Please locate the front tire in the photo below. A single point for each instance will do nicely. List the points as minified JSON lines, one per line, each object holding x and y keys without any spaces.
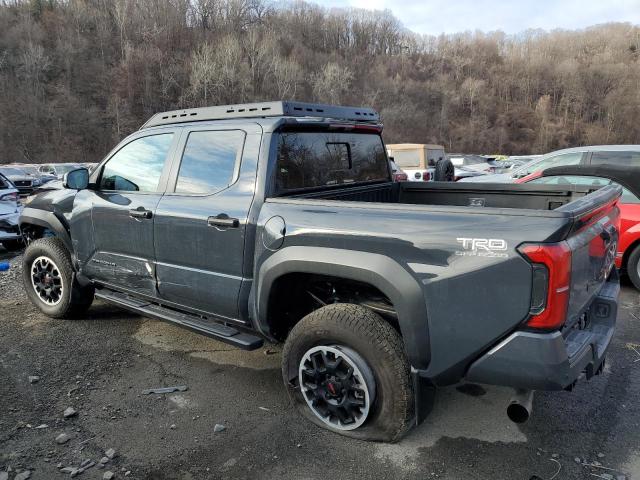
{"x":346,"y":371}
{"x":50,"y":281}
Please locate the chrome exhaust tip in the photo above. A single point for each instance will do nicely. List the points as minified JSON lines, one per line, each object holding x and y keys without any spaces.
{"x":519,"y":409}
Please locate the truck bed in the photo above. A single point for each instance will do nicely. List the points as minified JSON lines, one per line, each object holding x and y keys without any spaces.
{"x":432,"y":230}
{"x":512,"y":196}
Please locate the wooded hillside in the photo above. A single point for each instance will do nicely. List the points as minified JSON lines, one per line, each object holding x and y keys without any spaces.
{"x":78,"y":75}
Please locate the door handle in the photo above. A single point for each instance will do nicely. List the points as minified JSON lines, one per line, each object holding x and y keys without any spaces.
{"x":141,"y":212}
{"x":223,"y":221}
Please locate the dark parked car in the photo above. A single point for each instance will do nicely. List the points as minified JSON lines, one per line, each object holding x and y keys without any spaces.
{"x":281,"y":221}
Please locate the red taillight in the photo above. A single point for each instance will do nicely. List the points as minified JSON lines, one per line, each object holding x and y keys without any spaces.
{"x":426,"y":176}
{"x":551,"y":283}
{"x":9,"y":197}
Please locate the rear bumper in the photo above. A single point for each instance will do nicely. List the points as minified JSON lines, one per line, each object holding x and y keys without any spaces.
{"x":555,"y":360}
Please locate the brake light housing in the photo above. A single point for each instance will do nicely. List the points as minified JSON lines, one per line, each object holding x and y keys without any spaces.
{"x":551,"y":283}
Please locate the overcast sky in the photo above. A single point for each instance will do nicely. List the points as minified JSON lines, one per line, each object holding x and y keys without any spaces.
{"x":449,"y":16}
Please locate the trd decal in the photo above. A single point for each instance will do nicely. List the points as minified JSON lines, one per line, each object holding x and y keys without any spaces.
{"x":482,"y":247}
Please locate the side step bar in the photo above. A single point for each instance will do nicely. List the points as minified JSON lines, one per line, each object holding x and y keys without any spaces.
{"x":211,"y":328}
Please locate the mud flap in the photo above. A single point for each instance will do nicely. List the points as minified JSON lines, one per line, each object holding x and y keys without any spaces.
{"x":424,"y":393}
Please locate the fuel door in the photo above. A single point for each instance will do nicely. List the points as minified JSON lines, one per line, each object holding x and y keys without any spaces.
{"x":273,"y":233}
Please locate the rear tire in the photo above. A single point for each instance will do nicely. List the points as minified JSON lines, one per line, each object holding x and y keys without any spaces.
{"x":445,"y":171}
{"x":50,"y":281}
{"x":632,"y":266}
{"x":380,"y":373}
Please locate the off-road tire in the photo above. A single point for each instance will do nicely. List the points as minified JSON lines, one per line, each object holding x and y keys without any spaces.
{"x":632,"y":265}
{"x":445,"y":171}
{"x":12,"y":245}
{"x":76,"y":299}
{"x":392,"y":410}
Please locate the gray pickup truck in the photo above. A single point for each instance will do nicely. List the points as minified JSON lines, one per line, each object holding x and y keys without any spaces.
{"x":280,"y":221}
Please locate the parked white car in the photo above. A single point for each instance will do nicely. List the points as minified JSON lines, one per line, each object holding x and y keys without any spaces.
{"x":10,"y":237}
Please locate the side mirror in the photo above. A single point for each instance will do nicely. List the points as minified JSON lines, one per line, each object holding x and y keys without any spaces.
{"x":76,"y":179}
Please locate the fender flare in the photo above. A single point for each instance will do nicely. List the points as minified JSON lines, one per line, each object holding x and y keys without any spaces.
{"x":42,"y":218}
{"x":382,"y":272}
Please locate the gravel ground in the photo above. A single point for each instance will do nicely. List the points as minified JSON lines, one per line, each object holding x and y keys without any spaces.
{"x":100,"y":365}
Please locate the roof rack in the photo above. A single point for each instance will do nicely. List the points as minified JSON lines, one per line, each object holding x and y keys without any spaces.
{"x":264,"y":109}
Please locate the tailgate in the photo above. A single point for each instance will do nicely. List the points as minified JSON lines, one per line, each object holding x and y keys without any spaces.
{"x":593,"y":241}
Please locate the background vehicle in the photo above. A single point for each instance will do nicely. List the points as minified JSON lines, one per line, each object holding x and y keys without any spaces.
{"x":510,"y":163}
{"x":33,"y":171}
{"x":10,"y":237}
{"x":397,"y":173}
{"x":58,"y":169}
{"x":422,"y":162}
{"x":24,"y":182}
{"x":469,"y":165}
{"x":628,"y":254}
{"x":90,"y":166}
{"x":516,"y":161}
{"x":628,"y":155}
{"x":259,"y":220}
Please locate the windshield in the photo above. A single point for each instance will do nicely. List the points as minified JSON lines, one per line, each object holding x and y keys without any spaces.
{"x":30,"y":170}
{"x":550,"y":160}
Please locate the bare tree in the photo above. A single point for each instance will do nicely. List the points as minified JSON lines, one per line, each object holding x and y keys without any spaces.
{"x":76,"y":75}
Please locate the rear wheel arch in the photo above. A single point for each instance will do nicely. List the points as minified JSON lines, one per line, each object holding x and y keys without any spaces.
{"x":627,"y":253}
{"x":296,"y":294}
{"x":632,"y":256}
{"x":377,"y":272}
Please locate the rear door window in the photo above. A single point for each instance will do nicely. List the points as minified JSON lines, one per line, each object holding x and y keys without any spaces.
{"x":209,"y":161}
{"x":629,"y":159}
{"x":318,"y":159}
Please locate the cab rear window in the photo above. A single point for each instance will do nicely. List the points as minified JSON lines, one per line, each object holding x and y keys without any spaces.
{"x":318,"y":159}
